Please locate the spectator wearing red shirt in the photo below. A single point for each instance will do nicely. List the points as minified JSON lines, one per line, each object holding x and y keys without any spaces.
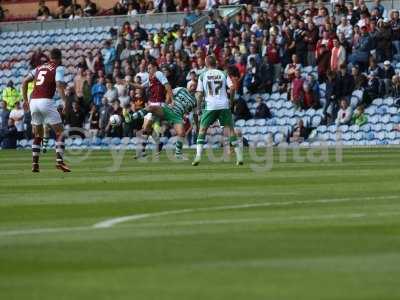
{"x":311,"y":39}
{"x":272,"y":53}
{"x":297,"y":93}
{"x":309,"y":99}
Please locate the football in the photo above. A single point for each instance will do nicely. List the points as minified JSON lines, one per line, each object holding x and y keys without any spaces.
{"x":115,"y":120}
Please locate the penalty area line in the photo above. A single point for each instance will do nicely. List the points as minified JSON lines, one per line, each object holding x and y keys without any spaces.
{"x":114,"y":221}
{"x":109,"y":223}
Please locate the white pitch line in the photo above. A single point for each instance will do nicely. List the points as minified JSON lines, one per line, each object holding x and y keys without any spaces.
{"x":111,"y":222}
{"x":114,"y":221}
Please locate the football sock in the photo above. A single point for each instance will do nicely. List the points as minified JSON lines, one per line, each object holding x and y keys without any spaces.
{"x":236,"y":145}
{"x":199,"y":144}
{"x":37,"y":141}
{"x":45,"y":142}
{"x":60,"y":147}
{"x":178,"y":146}
{"x":144,"y":142}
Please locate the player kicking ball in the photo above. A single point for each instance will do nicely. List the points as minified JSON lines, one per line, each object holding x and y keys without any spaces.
{"x":173,"y":112}
{"x":48,"y":78}
{"x":212,"y":86}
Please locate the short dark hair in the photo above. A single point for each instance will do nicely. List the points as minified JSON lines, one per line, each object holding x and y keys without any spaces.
{"x":56,"y":54}
{"x":211,"y":61}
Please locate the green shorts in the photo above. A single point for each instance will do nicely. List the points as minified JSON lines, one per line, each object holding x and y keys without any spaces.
{"x":224,"y":116}
{"x":170,"y":116}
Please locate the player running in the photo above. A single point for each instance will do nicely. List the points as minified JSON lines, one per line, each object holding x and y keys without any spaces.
{"x":160,"y":91}
{"x":182,"y":103}
{"x":212,"y":86}
{"x":48,"y":78}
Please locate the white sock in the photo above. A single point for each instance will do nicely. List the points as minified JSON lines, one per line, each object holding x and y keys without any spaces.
{"x":199,"y":150}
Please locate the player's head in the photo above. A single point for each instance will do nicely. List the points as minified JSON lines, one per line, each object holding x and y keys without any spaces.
{"x":211,"y":62}
{"x":55,"y":55}
{"x":152,"y":67}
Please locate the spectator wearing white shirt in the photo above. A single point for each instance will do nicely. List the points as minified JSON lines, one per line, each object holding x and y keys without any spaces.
{"x":143,"y":74}
{"x":345,"y":113}
{"x":17,"y":114}
{"x":192,"y":83}
{"x":345,"y":28}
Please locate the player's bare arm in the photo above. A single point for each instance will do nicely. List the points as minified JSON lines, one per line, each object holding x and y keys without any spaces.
{"x":25,"y":83}
{"x":168,"y":96}
{"x":199,"y":98}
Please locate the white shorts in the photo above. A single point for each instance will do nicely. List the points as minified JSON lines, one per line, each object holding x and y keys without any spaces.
{"x":44,"y":111}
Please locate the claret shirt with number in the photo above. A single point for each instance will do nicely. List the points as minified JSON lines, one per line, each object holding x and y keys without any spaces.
{"x":45,"y":77}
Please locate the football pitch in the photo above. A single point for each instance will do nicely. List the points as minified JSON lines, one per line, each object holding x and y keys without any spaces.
{"x":167,"y":230}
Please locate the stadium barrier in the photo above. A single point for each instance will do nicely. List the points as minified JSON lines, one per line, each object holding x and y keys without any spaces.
{"x":114,"y":21}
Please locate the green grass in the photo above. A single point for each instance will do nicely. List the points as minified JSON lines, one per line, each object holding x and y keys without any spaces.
{"x":328,"y":230}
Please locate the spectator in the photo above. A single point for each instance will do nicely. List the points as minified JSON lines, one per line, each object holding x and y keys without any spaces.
{"x":387,"y":75}
{"x":94,"y":118}
{"x":10,"y":95}
{"x":297,"y":94}
{"x":371,"y":91}
{"x":4,"y":115}
{"x":192,"y":83}
{"x":311,"y":40}
{"x":345,"y":83}
{"x":98,"y":91}
{"x":241,"y":110}
{"x":338,"y":56}
{"x":299,"y":133}
{"x":323,"y":55}
{"x":104,"y":116}
{"x":43,"y":11}
{"x":331,"y":94}
{"x":2,"y":17}
{"x":139,"y":30}
{"x":395,"y":24}
{"x":359,"y":79}
{"x":309,"y":99}
{"x":273,"y":58}
{"x":79,"y":82}
{"x":132,"y":11}
{"x":119,"y":9}
{"x":359,"y":118}
{"x":262,"y":110}
{"x":345,"y":28}
{"x":396,"y":88}
{"x":210,"y":25}
{"x":90,"y":62}
{"x":75,"y":119}
{"x":384,"y":41}
{"x":10,"y":136}
{"x":266,"y":77}
{"x":89,"y":8}
{"x":291,"y":68}
{"x":252,"y":79}
{"x":17,"y":115}
{"x":109,"y":55}
{"x":111,"y":93}
{"x":345,"y":113}
{"x":362,"y":48}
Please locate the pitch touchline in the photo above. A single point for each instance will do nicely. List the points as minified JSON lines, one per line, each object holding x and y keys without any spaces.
{"x":114,"y":221}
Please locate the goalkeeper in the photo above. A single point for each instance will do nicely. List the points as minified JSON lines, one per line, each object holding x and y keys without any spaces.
{"x":182,"y":102}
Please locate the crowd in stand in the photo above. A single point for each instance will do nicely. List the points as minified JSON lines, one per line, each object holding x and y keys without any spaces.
{"x":263,"y":49}
{"x":70,"y":9}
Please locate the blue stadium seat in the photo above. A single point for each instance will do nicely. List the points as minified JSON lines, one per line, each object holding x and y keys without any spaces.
{"x":240,"y":123}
